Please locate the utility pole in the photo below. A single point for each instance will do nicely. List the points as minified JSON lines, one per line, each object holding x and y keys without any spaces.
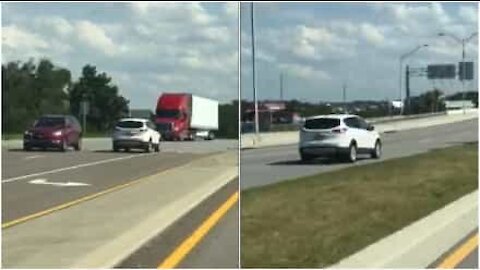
{"x":281,"y":86}
{"x":253,"y":75}
{"x":402,"y":58}
{"x":407,"y":91}
{"x":345,"y":97}
{"x":463,"y":76}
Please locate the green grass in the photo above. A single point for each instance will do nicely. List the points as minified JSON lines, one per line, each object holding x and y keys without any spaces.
{"x":316,"y":221}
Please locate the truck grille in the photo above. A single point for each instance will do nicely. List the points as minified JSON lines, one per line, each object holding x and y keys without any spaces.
{"x":164,"y":127}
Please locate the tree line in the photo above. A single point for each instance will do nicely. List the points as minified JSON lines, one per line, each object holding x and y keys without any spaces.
{"x":31,"y":89}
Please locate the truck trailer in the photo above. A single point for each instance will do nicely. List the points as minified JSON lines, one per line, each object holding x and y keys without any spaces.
{"x":182,"y":116}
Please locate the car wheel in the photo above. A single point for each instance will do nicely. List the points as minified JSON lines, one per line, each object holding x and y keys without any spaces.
{"x":306,"y":157}
{"x":26,"y":148}
{"x":377,"y":150}
{"x":156,"y":147}
{"x":148,"y":147}
{"x":127,"y":149}
{"x":78,"y":145}
{"x":115,"y":148}
{"x":352,"y":153}
{"x":64,"y":146}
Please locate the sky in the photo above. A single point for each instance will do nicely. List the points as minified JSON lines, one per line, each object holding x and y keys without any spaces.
{"x":147,"y":48}
{"x":319,"y":47}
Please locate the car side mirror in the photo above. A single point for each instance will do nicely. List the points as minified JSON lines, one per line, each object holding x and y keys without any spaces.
{"x":370,"y":128}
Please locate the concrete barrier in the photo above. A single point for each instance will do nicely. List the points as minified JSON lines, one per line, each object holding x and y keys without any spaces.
{"x":381,"y":124}
{"x":421,"y":243}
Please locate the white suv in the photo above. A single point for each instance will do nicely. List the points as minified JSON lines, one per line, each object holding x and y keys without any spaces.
{"x":135,"y":133}
{"x":338,"y":135}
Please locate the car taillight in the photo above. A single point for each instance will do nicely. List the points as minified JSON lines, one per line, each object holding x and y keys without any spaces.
{"x":339,"y":130}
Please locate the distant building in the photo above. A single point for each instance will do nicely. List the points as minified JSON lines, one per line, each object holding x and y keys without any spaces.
{"x":458,"y":104}
{"x":397,"y":104}
{"x":141,"y":113}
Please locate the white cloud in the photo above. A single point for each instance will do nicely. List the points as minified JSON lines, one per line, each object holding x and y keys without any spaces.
{"x":305,"y":72}
{"x":95,"y":37}
{"x":468,"y":14}
{"x":16,"y":38}
{"x":59,"y":25}
{"x":145,"y":47}
{"x":372,"y":34}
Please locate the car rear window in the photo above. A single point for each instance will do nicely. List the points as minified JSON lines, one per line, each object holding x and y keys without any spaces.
{"x":130,"y":124}
{"x":322,"y":123}
{"x":50,"y":122}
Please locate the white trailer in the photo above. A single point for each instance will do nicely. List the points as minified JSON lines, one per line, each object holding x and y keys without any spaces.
{"x":204,"y":117}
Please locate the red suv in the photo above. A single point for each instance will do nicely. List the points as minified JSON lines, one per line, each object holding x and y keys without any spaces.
{"x":57,"y":131}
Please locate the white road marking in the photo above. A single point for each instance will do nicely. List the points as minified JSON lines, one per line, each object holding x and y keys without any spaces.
{"x":72,"y":167}
{"x":33,"y":157}
{"x":43,"y":181}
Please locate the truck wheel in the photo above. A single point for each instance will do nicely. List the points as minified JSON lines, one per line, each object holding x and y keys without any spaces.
{"x":211,"y":136}
{"x":26,"y":147}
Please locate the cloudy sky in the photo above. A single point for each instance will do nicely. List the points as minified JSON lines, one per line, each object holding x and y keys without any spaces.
{"x":320,"y":46}
{"x":147,"y":48}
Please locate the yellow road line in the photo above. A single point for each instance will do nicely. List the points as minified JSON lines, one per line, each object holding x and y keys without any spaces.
{"x":66,"y":205}
{"x":460,"y":253}
{"x":188,"y":244}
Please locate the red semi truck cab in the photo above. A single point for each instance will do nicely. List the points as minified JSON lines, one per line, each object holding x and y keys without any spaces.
{"x":181,"y":116}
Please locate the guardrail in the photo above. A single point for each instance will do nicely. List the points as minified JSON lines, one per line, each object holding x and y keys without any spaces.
{"x":373,"y":120}
{"x":385,"y":124}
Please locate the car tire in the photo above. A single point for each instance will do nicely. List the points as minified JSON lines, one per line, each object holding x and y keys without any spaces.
{"x":148,"y":147}
{"x":115,"y":148}
{"x":306,"y":157}
{"x":352,"y":153}
{"x":64,"y":146}
{"x":156,"y":147}
{"x":78,"y":145}
{"x":377,"y":150}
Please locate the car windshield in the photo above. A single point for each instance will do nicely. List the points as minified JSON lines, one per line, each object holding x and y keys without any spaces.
{"x":50,"y":122}
{"x":130,"y":124}
{"x":168,"y":113}
{"x":322,"y":123}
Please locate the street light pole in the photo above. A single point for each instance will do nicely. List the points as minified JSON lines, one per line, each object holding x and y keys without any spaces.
{"x":402,"y":58}
{"x":253,"y":75}
{"x":462,"y":41}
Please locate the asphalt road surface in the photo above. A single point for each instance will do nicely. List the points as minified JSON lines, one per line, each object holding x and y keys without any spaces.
{"x":274,"y":164}
{"x":463,"y":255}
{"x":30,"y":185}
{"x":38,"y":180}
{"x":218,"y":249}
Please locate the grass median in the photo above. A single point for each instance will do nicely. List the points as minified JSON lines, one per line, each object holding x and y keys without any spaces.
{"x":316,"y":221}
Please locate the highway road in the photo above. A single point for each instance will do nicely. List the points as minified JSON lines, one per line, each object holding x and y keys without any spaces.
{"x":463,"y":255}
{"x":36,"y":181}
{"x":219,"y":248}
{"x":274,"y":164}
